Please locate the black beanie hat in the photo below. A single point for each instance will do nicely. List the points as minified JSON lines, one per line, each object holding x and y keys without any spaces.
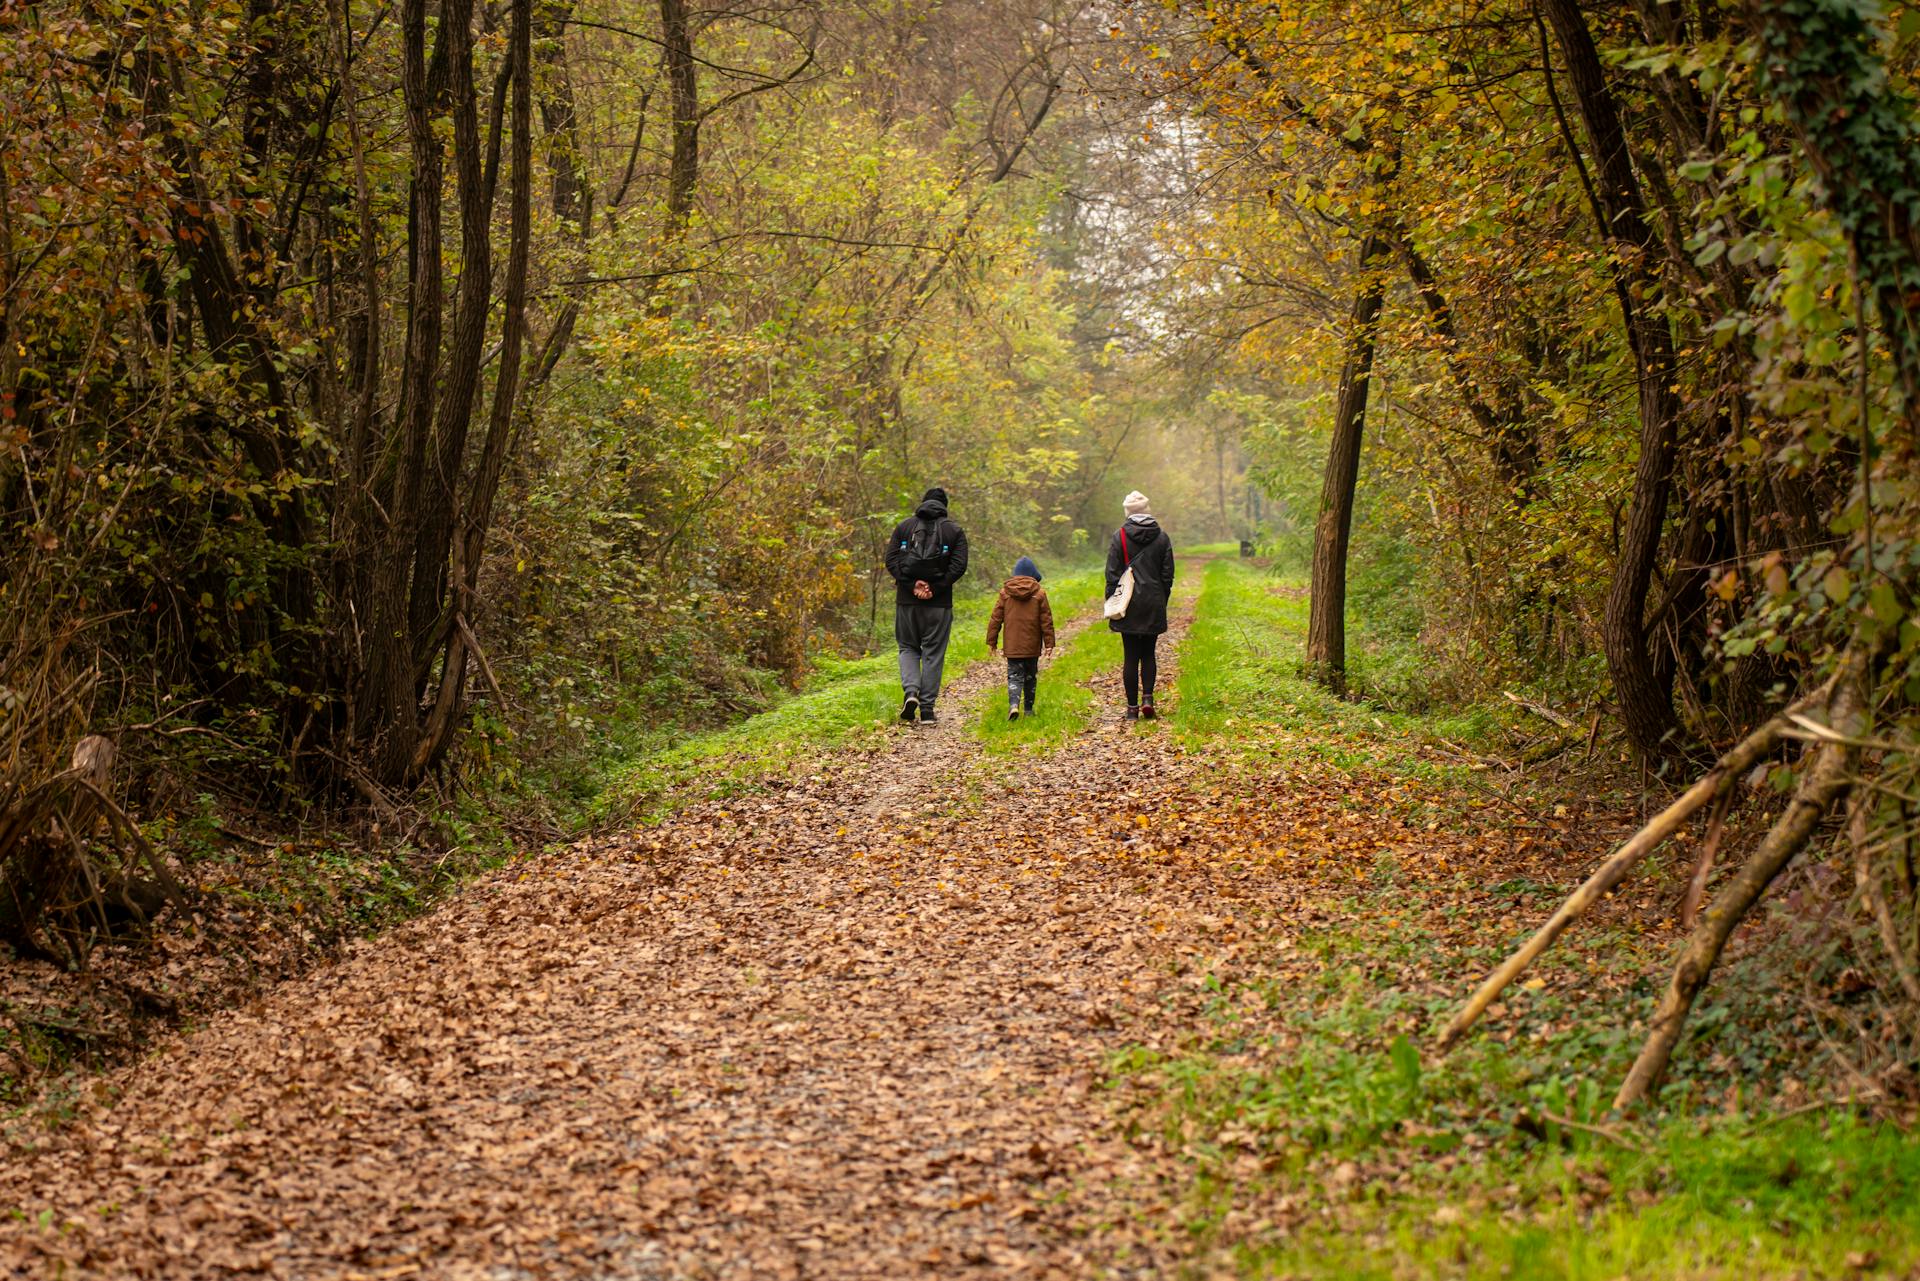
{"x":936,"y":493}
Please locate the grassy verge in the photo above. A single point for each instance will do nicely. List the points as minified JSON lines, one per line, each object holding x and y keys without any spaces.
{"x":1318,"y":1136}
{"x":1320,"y":1144}
{"x":1241,"y":680}
{"x":850,"y":703}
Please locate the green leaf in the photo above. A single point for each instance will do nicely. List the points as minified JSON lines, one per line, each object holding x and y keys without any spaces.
{"x":1406,"y":1062}
{"x":1800,"y":300}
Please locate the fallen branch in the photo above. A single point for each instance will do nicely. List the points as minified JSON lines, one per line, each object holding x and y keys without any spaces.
{"x":1812,"y":731}
{"x":1703,"y":866}
{"x":1612,"y":1136}
{"x":480,"y":656}
{"x":1609,"y":874}
{"x":1866,"y":879}
{"x":1824,"y":782}
{"x":1539,"y":709}
{"x":169,"y":884}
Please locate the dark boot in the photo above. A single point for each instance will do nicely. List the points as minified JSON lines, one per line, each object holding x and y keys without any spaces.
{"x":926,"y":713}
{"x":1133,"y":713}
{"x":1146,"y":711}
{"x":910,"y":709}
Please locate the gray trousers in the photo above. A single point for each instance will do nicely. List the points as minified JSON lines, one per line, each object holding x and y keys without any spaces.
{"x":922,"y":632}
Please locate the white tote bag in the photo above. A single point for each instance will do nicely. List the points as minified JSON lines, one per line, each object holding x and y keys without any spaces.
{"x":1116,"y":606}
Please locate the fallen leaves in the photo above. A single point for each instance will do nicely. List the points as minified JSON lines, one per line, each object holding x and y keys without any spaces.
{"x":850,"y":1027}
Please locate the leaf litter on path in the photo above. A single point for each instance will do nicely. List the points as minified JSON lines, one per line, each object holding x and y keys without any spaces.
{"x":785,"y":1035}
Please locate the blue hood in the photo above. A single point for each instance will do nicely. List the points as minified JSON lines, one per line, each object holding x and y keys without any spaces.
{"x":1026,"y":566}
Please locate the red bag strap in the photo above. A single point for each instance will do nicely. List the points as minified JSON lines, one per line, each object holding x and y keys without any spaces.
{"x":1124,"y":550}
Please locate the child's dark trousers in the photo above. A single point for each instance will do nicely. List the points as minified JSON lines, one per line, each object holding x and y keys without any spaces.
{"x":1023,"y":678}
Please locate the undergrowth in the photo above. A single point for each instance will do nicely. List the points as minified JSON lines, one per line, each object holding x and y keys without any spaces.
{"x":1320,"y":1136}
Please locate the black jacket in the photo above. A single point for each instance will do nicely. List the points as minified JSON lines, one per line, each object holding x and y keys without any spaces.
{"x":956,"y":540}
{"x":1152,"y":576}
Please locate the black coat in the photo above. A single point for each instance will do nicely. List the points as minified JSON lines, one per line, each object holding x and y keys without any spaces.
{"x":1152,"y":564}
{"x":950,"y":533}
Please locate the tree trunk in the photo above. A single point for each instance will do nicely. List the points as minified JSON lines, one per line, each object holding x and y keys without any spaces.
{"x":477,"y":513}
{"x":1327,"y":610}
{"x":1646,"y":703}
{"x":384,"y":718}
{"x":683,"y":168}
{"x":572,"y":193}
{"x":465,"y":348}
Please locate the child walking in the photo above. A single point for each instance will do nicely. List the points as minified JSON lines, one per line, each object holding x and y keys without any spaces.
{"x":1025,"y":617}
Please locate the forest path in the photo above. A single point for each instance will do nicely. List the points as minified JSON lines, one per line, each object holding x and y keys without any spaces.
{"x":777,"y":1036}
{"x":919,"y":781}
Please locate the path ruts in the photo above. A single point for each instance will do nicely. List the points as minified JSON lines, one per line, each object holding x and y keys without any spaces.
{"x":776,"y":1037}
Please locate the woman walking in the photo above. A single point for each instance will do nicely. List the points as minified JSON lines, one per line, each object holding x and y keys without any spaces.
{"x":1142,"y":546}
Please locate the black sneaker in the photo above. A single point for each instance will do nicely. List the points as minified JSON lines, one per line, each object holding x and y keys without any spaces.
{"x":1133,"y":713}
{"x":1013,"y":713}
{"x":1146,"y":712}
{"x":910,"y":710}
{"x":926,"y":714}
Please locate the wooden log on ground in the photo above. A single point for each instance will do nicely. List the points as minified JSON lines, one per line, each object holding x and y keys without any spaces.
{"x":1703,"y":866}
{"x":1866,"y":881}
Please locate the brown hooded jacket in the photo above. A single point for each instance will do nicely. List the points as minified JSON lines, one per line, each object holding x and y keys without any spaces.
{"x":1025,"y":615}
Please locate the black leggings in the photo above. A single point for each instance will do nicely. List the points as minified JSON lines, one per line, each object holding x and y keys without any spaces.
{"x":1138,"y":668}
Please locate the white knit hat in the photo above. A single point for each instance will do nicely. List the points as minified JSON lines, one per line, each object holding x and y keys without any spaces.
{"x":1134,"y":504}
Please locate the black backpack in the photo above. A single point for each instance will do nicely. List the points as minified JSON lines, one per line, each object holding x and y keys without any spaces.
{"x":925,"y":551}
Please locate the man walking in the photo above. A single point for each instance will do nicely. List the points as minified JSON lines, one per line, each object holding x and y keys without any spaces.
{"x":927,"y":556}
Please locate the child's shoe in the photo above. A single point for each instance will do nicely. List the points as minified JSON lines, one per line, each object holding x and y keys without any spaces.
{"x":1013,"y":713}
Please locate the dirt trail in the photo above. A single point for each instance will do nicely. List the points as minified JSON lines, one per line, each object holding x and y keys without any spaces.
{"x":783,"y":1036}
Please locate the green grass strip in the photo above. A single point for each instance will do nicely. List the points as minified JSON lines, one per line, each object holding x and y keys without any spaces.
{"x":1241,"y":681}
{"x":848,"y":703}
{"x":1837,"y":1197}
{"x":1064,"y":704}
